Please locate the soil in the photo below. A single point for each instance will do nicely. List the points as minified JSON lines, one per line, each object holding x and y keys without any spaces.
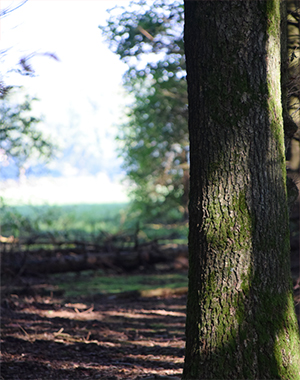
{"x":129,"y":335}
{"x":123,"y":336}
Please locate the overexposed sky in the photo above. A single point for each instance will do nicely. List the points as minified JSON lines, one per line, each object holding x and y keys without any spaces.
{"x":81,"y":95}
{"x":84,"y":87}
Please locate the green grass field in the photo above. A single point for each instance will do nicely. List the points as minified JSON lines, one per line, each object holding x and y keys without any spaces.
{"x":70,"y":221}
{"x":84,"y":222}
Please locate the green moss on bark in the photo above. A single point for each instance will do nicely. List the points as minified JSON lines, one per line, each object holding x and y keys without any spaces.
{"x":240,"y":319}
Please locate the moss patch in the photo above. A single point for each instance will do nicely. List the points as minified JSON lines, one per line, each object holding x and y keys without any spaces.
{"x":89,"y":283}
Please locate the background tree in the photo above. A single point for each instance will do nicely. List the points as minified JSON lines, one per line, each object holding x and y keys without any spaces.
{"x":4,"y":89}
{"x":154,"y":140}
{"x":20,"y":137}
{"x":293,"y":83}
{"x":241,"y":321}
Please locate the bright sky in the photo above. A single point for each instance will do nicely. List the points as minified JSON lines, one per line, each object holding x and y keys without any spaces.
{"x":81,"y":95}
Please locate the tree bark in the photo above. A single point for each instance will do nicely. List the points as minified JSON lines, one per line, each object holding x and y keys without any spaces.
{"x":241,"y":322}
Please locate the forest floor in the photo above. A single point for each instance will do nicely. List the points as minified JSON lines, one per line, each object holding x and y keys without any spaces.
{"x":46,"y":335}
{"x":135,"y":329}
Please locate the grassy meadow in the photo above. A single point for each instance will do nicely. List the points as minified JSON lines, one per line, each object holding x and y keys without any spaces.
{"x":85,"y":222}
{"x":48,"y":226}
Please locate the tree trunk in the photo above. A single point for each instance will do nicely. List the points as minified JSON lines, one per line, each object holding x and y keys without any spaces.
{"x":241,"y":322}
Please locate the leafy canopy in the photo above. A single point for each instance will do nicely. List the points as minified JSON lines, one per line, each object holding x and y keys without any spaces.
{"x":154,"y":140}
{"x":20,"y":138}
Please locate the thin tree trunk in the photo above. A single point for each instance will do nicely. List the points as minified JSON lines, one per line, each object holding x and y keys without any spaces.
{"x":241,"y":321}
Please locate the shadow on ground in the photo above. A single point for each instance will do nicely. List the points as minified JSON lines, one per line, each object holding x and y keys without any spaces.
{"x":122,"y":336}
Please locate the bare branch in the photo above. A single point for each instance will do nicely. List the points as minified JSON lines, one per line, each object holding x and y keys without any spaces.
{"x":7,"y":11}
{"x":145,"y":33}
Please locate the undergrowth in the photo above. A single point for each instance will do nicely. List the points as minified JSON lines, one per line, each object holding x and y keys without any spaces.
{"x":94,"y":223}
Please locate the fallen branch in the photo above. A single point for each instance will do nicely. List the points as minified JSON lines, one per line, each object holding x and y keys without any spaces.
{"x":117,"y":260}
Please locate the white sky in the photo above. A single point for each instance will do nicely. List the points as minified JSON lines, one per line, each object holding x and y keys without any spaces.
{"x":81,"y":95}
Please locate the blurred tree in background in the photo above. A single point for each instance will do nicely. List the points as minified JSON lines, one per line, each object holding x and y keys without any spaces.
{"x":20,"y":138}
{"x":154,"y":139}
{"x":293,"y":81}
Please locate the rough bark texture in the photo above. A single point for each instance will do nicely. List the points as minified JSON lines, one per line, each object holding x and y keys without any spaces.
{"x":241,"y":322}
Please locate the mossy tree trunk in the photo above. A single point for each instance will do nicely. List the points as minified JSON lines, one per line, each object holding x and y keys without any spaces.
{"x":241,"y":322}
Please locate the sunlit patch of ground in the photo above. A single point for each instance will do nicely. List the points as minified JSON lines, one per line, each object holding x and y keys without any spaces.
{"x":119,"y":338}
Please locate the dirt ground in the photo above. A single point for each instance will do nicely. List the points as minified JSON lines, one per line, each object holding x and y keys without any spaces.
{"x":118,"y":336}
{"x":45,"y":336}
{"x":124,"y":336}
